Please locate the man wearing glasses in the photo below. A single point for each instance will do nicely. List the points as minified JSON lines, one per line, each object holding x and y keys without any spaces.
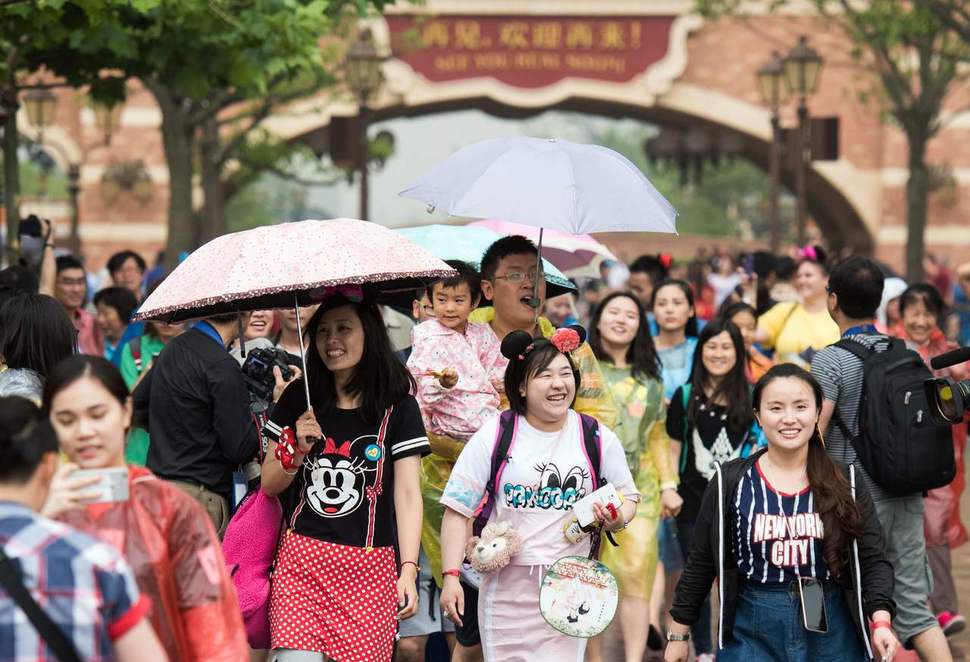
{"x":70,"y":289}
{"x":516,"y":292}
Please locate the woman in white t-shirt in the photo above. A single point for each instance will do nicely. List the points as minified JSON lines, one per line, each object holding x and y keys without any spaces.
{"x":546,"y":471}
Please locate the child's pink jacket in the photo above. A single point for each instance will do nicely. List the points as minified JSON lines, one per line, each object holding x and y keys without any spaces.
{"x":460,"y":411}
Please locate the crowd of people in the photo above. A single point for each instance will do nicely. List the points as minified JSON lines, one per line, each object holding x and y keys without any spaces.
{"x":718,"y":396}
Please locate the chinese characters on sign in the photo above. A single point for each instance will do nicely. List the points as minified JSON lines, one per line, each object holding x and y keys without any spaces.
{"x":532,"y":51}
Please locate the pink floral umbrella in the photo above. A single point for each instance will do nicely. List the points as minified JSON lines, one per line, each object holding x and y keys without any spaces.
{"x":279,"y":266}
{"x":290,"y":265}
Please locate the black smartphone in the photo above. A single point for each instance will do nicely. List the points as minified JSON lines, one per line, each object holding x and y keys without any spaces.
{"x":813,"y":605}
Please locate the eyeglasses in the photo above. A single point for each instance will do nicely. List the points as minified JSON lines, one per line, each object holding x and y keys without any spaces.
{"x":519,"y":276}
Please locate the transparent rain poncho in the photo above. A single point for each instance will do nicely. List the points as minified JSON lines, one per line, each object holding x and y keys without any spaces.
{"x":176,"y":556}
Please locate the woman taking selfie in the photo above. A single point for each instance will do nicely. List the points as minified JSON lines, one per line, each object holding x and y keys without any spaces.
{"x":350,"y":467}
{"x":547,"y":469}
{"x":785,"y":532}
{"x":163,"y":533}
{"x":621,"y":341}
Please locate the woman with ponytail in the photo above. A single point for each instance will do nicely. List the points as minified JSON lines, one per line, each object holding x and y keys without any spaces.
{"x":785,"y":529}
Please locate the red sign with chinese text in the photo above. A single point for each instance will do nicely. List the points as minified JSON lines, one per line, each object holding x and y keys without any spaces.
{"x":529,"y":51}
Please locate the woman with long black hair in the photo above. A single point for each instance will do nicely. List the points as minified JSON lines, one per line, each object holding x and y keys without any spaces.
{"x":709,"y":422}
{"x":785,"y":532}
{"x":35,"y":335}
{"x":620,"y":338}
{"x":351,"y":465}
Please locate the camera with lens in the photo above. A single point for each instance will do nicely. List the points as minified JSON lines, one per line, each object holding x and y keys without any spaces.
{"x":949,"y":399}
{"x":258,"y":373}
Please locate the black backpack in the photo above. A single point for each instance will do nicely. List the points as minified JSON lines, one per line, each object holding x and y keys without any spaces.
{"x":899,"y":445}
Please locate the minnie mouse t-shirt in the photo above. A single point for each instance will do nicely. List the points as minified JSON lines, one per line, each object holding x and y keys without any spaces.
{"x":343,"y":492}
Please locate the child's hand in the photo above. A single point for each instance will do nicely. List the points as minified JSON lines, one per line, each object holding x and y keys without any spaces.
{"x":448,"y":378}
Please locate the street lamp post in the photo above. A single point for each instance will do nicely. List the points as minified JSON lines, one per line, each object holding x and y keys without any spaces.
{"x":363,"y":76}
{"x":771,"y":80}
{"x":41,"y":106}
{"x":802,"y":67}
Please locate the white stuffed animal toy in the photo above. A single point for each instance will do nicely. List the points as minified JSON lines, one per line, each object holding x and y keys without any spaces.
{"x":492,"y":551}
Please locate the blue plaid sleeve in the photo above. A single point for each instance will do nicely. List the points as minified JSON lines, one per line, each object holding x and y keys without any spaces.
{"x":123,"y":605}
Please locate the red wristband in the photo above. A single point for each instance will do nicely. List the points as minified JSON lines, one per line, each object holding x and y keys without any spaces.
{"x":453,"y":572}
{"x":882,"y":624}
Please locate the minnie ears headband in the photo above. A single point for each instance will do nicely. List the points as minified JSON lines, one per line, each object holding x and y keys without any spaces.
{"x":517,"y":345}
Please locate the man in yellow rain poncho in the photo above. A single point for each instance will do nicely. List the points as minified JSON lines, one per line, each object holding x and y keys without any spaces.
{"x":508,"y":273}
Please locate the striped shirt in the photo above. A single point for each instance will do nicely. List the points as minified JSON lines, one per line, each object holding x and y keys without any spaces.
{"x":777,"y":536}
{"x":840,"y":374}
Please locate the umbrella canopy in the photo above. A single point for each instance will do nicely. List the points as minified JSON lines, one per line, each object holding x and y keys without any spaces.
{"x":575,"y":254}
{"x":551,"y":183}
{"x":468,"y":243}
{"x":279,"y":266}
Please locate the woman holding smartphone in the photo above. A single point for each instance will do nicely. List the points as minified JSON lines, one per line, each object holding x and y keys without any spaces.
{"x":788,"y":534}
{"x":163,"y":533}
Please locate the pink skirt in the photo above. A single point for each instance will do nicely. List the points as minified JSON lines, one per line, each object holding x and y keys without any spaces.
{"x":512,"y":628}
{"x":334,"y":599}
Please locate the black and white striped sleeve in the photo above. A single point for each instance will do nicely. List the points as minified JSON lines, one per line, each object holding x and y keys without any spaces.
{"x":406,"y":435}
{"x":291,"y":405}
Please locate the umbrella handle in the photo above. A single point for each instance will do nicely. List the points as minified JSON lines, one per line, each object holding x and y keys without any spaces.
{"x":299,"y":329}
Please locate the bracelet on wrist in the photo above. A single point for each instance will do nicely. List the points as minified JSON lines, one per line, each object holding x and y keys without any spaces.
{"x":451,"y":572}
{"x":678,"y":637}
{"x":882,"y":624}
{"x":669,"y":485}
{"x":417,"y":568}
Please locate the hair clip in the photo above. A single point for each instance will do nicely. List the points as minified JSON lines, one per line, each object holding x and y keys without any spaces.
{"x":525,"y":352}
{"x":808,"y":253}
{"x":565,"y":340}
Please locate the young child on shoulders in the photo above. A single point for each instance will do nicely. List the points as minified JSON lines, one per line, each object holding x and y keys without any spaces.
{"x":456,"y":364}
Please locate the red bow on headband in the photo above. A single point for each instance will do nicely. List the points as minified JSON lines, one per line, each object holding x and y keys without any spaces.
{"x":808,"y":253}
{"x":330,"y":448}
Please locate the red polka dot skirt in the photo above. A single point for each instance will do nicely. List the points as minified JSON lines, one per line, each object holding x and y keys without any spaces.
{"x":334,"y":599}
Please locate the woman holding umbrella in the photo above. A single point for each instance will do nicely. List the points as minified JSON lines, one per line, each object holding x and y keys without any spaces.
{"x":351,"y":465}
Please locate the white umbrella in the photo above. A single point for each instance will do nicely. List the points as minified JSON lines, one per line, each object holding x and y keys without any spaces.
{"x":550,"y":183}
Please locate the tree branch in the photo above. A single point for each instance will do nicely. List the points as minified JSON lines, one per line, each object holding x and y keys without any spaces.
{"x":289,"y":176}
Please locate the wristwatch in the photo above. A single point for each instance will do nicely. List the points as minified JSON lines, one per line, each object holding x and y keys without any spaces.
{"x":678,"y":637}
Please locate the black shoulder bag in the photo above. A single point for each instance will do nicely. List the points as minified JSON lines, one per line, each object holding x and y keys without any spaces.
{"x":53,"y":636}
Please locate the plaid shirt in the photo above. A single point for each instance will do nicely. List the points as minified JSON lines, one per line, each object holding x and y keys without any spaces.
{"x":83,"y":584}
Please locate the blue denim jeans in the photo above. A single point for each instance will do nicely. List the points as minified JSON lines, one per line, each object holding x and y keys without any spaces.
{"x":768,"y":626}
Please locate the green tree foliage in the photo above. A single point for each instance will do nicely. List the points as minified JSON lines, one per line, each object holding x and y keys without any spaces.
{"x":217,"y":69}
{"x":914,"y":49}
{"x":730,"y":200}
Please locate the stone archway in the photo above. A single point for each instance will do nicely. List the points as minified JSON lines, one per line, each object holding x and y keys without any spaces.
{"x":638,"y":73}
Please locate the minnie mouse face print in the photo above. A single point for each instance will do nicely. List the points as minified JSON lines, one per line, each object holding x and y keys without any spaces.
{"x":338,"y":479}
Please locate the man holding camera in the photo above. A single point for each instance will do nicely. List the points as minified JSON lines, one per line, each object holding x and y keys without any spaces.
{"x":196,"y":406}
{"x":855,"y":291}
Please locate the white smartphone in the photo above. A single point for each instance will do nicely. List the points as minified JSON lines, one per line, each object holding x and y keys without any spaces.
{"x":113,"y":484}
{"x":583,"y":509}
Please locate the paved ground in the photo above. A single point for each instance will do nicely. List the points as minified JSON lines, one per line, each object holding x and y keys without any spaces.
{"x":959,"y":644}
